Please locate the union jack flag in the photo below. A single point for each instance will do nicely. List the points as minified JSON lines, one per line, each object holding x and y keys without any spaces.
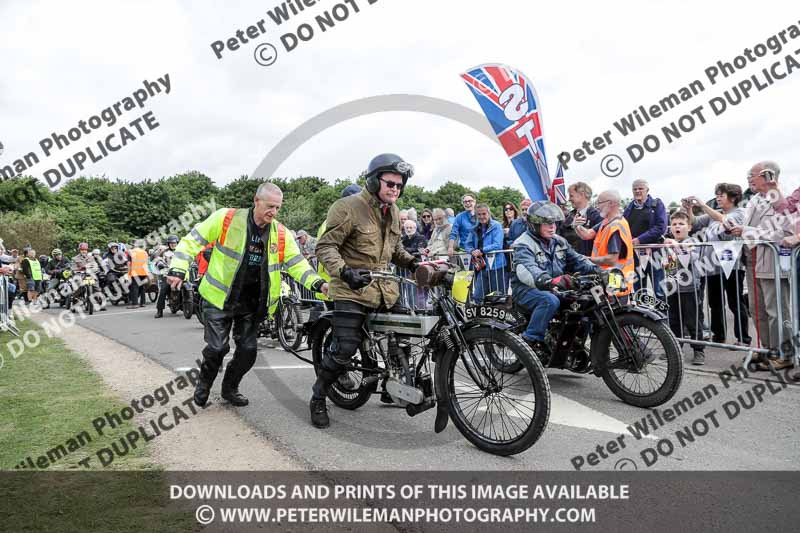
{"x":510,"y":103}
{"x":558,"y":192}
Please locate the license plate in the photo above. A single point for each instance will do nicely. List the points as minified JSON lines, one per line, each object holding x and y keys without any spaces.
{"x":485,"y":311}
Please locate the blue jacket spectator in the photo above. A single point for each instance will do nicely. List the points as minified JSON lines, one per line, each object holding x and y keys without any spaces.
{"x":464,"y":223}
{"x":487,"y":239}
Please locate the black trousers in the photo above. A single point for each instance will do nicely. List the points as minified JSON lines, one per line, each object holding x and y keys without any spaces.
{"x":219,"y":324}
{"x":348,"y":322}
{"x":163,"y":291}
{"x":684,"y":314}
{"x":137,"y":289}
{"x":733,"y":287}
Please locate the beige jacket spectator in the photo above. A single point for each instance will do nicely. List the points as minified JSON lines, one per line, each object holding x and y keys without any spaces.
{"x":437,"y":245}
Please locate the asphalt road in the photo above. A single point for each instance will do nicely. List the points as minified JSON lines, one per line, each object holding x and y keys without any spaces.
{"x":585,"y":415}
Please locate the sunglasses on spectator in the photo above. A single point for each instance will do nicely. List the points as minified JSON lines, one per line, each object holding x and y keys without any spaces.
{"x":426,"y":216}
{"x":509,"y":208}
{"x":392,"y":184}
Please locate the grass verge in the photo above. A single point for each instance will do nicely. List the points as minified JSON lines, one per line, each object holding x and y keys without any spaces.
{"x":48,"y":396}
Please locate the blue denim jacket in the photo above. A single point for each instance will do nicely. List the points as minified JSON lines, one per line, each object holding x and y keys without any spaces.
{"x":492,"y":241}
{"x":534,"y":257}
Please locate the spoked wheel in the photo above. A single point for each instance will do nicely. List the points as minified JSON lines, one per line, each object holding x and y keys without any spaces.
{"x":354,"y":388}
{"x":287,"y":321}
{"x":657,"y":377}
{"x":152,"y":295}
{"x":500,"y":413}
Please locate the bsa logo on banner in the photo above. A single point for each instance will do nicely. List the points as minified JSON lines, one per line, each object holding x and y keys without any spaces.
{"x":511,"y":104}
{"x":727,"y":253}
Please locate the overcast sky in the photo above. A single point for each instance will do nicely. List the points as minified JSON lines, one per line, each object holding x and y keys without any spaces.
{"x":590,"y":63}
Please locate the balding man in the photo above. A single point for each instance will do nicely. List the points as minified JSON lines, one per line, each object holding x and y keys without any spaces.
{"x":762,"y":221}
{"x":647,"y":218}
{"x":613,"y":244}
{"x":242,"y":283}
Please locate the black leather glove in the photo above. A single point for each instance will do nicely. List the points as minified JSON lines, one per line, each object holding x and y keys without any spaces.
{"x":317,"y":285}
{"x":355,"y":278}
{"x":543,"y":282}
{"x":414,"y":264}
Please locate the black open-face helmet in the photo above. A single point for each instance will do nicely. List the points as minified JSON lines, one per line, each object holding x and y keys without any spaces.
{"x":387,"y":163}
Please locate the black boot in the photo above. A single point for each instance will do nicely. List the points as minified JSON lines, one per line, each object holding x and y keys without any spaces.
{"x":159,"y":313}
{"x":230,"y":386}
{"x":319,"y":413}
{"x":233,"y":395}
{"x":201,"y":392}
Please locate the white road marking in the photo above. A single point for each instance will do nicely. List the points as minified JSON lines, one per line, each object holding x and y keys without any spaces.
{"x":106,"y":314}
{"x":283,"y":367}
{"x":567,"y":412}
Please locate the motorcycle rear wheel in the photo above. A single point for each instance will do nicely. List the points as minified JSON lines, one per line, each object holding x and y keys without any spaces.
{"x":345,"y":398}
{"x":656,"y":345}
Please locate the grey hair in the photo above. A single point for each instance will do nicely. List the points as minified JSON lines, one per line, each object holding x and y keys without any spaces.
{"x":450,"y":211}
{"x":268,"y":188}
{"x":639,"y":182}
{"x":406,"y":223}
{"x":612,"y":195}
{"x":484,"y":205}
{"x":412,"y":214}
{"x":772,"y":166}
{"x":439,"y":211}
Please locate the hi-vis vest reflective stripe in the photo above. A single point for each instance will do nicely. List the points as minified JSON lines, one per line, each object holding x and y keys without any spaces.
{"x":625,"y":263}
{"x":229,"y":253}
{"x":138,"y":266}
{"x":36,"y":269}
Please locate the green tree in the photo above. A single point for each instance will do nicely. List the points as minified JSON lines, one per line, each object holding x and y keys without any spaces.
{"x":449,"y":195}
{"x":37,"y":229}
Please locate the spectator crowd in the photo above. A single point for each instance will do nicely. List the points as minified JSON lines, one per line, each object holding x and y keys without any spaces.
{"x":699,"y":252}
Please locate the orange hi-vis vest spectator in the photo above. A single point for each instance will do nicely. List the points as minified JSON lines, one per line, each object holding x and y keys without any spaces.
{"x":600,"y":248}
{"x":138,"y":265}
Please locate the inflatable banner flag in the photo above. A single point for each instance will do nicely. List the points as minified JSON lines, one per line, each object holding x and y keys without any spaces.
{"x":511,"y":105}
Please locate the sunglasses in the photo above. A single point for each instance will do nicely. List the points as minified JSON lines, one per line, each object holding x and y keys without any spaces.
{"x":393,"y":184}
{"x":509,"y":208}
{"x":426,"y":216}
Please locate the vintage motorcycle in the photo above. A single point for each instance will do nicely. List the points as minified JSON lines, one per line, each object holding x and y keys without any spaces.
{"x":83,"y":295}
{"x":500,"y":413}
{"x":632,"y":347}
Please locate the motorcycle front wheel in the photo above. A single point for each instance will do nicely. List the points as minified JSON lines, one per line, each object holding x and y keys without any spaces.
{"x":288,"y":324}
{"x":657,"y":378}
{"x":500,"y":413}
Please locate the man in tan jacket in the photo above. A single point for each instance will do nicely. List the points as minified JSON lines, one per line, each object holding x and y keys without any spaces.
{"x":363,"y":234}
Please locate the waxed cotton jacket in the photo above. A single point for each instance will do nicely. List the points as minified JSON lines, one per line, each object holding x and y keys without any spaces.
{"x":359,"y":235}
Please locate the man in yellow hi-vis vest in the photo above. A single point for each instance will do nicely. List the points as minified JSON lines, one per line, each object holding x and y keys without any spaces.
{"x":242,"y":283}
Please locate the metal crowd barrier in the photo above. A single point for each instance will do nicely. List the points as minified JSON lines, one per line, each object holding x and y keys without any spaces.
{"x":6,"y":323}
{"x":698,"y":315}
